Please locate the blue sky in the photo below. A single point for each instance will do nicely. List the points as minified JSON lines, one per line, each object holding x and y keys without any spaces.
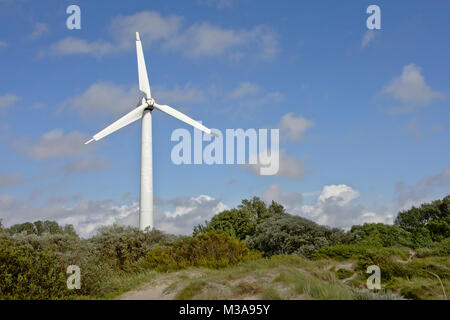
{"x":363,"y":115}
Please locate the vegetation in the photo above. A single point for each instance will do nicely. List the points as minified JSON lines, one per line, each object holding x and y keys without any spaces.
{"x":211,"y":250}
{"x":291,"y":234}
{"x":253,"y":250}
{"x":242,"y":221}
{"x":275,"y":278}
{"x":429,"y":220}
{"x":34,"y":266}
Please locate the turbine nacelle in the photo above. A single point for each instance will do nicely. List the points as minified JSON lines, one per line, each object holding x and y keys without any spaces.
{"x":150,"y":102}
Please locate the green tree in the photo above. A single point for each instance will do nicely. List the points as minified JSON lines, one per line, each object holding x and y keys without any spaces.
{"x":434,"y":217}
{"x":70,"y":230}
{"x":286,"y":234}
{"x":26,"y":227}
{"x":241,"y":221}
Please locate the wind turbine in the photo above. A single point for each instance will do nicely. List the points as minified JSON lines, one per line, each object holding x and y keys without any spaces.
{"x":144,"y":111}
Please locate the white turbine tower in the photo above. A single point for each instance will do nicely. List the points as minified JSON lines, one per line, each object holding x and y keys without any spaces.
{"x":144,"y":111}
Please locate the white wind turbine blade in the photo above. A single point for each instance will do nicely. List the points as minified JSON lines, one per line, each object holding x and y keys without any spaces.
{"x":144,"y":85}
{"x":181,"y":116}
{"x":122,"y":122}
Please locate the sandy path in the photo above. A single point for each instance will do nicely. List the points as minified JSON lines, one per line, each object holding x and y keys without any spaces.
{"x":154,"y":291}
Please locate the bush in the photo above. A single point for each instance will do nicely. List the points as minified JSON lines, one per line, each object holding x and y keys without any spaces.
{"x":287,"y":234}
{"x":359,"y":251}
{"x":40,"y":259}
{"x":41,"y":227}
{"x":26,"y":273}
{"x":122,"y":247}
{"x":241,"y":222}
{"x":211,"y":250}
{"x":434,"y":216}
{"x":380,"y":235}
{"x":440,"y":249}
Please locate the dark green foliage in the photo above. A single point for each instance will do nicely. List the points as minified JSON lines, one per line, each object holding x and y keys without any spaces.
{"x":121,"y":247}
{"x":26,"y":273}
{"x":433,"y":217}
{"x":34,"y":256}
{"x":285,"y":234}
{"x":392,"y":261}
{"x":33,"y":263}
{"x":358,"y":251}
{"x":242,"y":221}
{"x":211,"y":250}
{"x":439,"y":249}
{"x":379,"y":234}
{"x":234,"y":222}
{"x":40,"y":228}
{"x":391,"y":267}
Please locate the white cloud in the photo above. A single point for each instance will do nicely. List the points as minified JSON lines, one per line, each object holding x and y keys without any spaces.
{"x":109,"y":99}
{"x":209,"y":40}
{"x":341,"y":194}
{"x":64,"y":199}
{"x":368,"y":37}
{"x":53,"y":144}
{"x":334,"y":208}
{"x":421,"y":191}
{"x":178,"y":95}
{"x":72,"y":45}
{"x":85,"y":165}
{"x":197,"y":40}
{"x":185,"y":213}
{"x":219,"y":4}
{"x":11,"y":179}
{"x":294,"y":128}
{"x":151,"y":26}
{"x":106,"y":99}
{"x":88,"y":215}
{"x":289,"y":166}
{"x":244,"y":89}
{"x":290,"y":200}
{"x":8,"y":100}
{"x":411,"y":90}
{"x":39,"y":29}
{"x":248,"y":95}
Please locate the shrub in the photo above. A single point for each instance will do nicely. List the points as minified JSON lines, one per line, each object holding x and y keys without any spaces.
{"x":211,"y":250}
{"x":39,"y":260}
{"x":440,"y":249}
{"x":41,"y":227}
{"x":358,"y":251}
{"x":381,"y":235}
{"x":242,"y":221}
{"x":122,"y":247}
{"x":285,"y":234}
{"x":434,"y":216}
{"x":26,"y":273}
